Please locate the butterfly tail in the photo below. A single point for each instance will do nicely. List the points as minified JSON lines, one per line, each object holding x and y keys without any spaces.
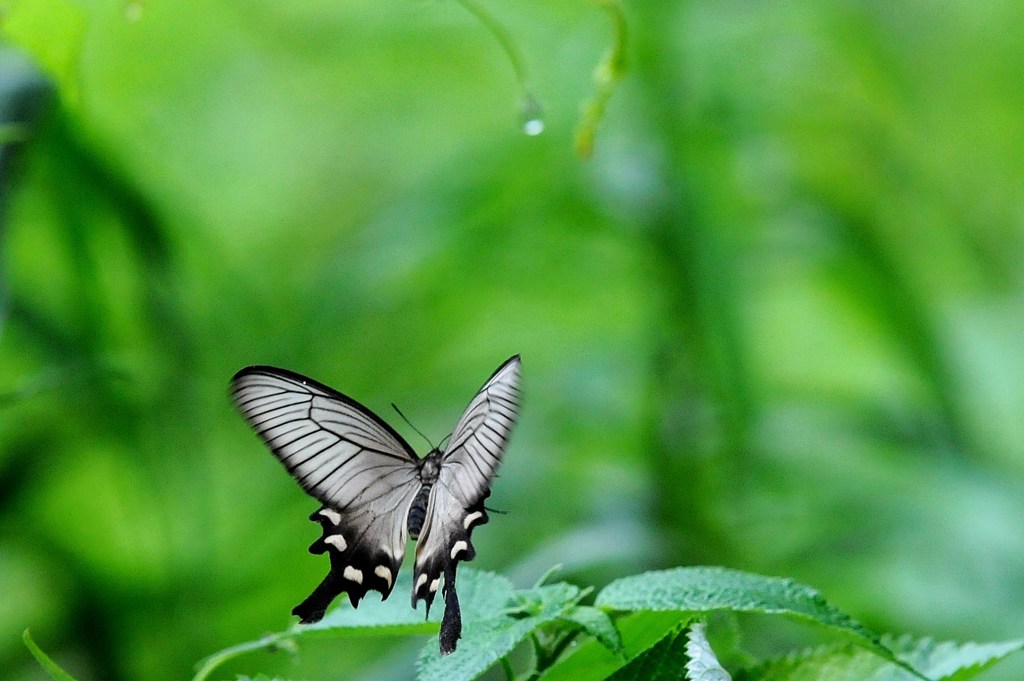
{"x":451,"y":623}
{"x":313,"y":608}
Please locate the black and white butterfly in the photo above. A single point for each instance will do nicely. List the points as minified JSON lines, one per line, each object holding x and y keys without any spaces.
{"x":376,"y":493}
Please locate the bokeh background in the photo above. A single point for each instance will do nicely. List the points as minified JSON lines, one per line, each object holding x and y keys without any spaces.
{"x":775,"y":323}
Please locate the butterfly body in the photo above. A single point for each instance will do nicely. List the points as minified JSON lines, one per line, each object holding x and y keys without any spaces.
{"x":430,"y":466}
{"x":375,"y":492}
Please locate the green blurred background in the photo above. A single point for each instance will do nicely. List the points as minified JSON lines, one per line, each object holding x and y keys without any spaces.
{"x":775,"y":323}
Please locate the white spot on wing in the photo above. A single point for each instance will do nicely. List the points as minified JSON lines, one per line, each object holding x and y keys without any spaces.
{"x":352,"y":574}
{"x":458,"y":548}
{"x":470,"y":519}
{"x":421,"y":581}
{"x":337,"y":541}
{"x":331,"y":515}
{"x":433,"y":585}
{"x":384,"y":573}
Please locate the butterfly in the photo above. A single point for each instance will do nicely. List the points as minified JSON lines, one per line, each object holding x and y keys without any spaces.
{"x":375,"y":491}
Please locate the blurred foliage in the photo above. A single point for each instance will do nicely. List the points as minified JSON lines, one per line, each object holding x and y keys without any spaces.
{"x":774,"y":323}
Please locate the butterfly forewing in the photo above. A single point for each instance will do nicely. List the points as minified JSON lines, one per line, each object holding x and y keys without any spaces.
{"x":467,"y":467}
{"x":356,"y":465}
{"x":476,"y":446}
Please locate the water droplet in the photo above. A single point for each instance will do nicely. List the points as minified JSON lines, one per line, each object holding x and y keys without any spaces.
{"x":533,"y":124}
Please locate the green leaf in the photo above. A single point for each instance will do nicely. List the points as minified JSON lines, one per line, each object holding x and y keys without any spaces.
{"x":51,"y":667}
{"x":542,"y":598}
{"x":951,"y":660}
{"x":485,"y":642}
{"x":835,"y":663}
{"x":946,"y":661}
{"x":665,"y":661}
{"x":372,"y":615}
{"x":593,"y":660}
{"x":706,"y":589}
{"x":598,"y":624}
{"x":483,"y":596}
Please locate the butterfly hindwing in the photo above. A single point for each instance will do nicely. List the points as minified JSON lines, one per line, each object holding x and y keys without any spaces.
{"x":357,"y":466}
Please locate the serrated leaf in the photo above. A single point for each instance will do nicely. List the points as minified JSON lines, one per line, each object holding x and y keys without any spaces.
{"x":487,"y":641}
{"x":540,"y":598}
{"x":480,"y":647}
{"x":835,"y":663}
{"x":592,"y":660}
{"x":482,"y":596}
{"x":706,"y":589}
{"x":665,"y":661}
{"x":702,"y":589}
{"x":51,"y":667}
{"x":946,"y":661}
{"x":598,"y":624}
{"x":373,"y":613}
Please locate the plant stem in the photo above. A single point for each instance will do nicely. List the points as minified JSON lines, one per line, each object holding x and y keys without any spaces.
{"x":607,"y":74}
{"x":213,"y":661}
{"x":51,"y":667}
{"x":530,"y":107}
{"x":502,"y":36}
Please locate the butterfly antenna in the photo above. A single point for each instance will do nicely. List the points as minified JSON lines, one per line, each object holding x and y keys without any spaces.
{"x":418,"y":431}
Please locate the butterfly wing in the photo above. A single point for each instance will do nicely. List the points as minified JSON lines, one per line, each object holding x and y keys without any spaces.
{"x":355,"y":464}
{"x":468,"y":465}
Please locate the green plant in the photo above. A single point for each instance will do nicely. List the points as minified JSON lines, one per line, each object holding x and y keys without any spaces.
{"x":647,"y":627}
